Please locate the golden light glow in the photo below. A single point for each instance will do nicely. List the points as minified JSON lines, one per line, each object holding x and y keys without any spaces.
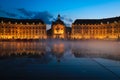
{"x":98,"y":31}
{"x":8,"y":48}
{"x":59,"y":31}
{"x":58,"y":48}
{"x":22,"y":31}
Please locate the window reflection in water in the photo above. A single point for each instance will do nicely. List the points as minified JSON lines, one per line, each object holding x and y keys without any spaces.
{"x":59,"y":49}
{"x":20,"y":48}
{"x":88,"y":53}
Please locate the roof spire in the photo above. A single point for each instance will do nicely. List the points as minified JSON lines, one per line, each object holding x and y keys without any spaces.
{"x":58,"y":16}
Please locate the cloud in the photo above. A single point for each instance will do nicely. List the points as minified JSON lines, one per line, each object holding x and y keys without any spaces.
{"x":8,"y":14}
{"x":25,"y":12}
{"x":66,"y":19}
{"x":45,"y":15}
{"x":22,"y":13}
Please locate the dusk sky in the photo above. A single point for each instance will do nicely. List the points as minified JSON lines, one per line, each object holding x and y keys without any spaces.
{"x":69,"y":10}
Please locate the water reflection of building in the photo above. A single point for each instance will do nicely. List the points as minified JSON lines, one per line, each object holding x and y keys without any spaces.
{"x":22,"y":29}
{"x":96,"y":28}
{"x":85,"y":53}
{"x":20,"y":48}
{"x":58,"y":50}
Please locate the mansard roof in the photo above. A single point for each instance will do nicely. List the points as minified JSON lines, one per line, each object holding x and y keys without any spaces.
{"x":97,"y":21}
{"x":23,"y":21}
{"x":58,"y":21}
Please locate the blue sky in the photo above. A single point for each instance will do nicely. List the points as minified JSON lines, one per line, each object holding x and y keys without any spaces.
{"x":69,"y":9}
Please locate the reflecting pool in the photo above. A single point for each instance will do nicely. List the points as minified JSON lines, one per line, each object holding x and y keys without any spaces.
{"x":60,"y":59}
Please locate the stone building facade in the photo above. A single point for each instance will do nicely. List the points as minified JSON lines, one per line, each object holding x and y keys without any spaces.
{"x":108,"y":28}
{"x":96,"y":28}
{"x":22,"y":29}
{"x":58,"y":29}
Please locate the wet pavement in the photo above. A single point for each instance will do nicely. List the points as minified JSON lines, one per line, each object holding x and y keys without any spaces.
{"x":60,"y":60}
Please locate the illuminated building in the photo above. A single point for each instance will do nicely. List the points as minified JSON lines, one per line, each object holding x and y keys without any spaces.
{"x":22,"y":29}
{"x":96,"y":28}
{"x":28,"y":29}
{"x":58,"y":29}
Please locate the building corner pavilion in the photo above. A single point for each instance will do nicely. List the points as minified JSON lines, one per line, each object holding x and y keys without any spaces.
{"x":108,"y":28}
{"x":22,"y":29}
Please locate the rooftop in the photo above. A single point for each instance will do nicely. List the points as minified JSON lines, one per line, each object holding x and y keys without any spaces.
{"x":96,"y":21}
{"x":23,"y":21}
{"x":58,"y":21}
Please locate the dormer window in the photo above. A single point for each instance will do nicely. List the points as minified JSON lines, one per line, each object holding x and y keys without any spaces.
{"x":115,"y":21}
{"x":2,"y":22}
{"x":9,"y":22}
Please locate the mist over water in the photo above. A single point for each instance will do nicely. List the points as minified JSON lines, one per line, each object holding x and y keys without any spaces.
{"x":87,"y":48}
{"x":90,"y":46}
